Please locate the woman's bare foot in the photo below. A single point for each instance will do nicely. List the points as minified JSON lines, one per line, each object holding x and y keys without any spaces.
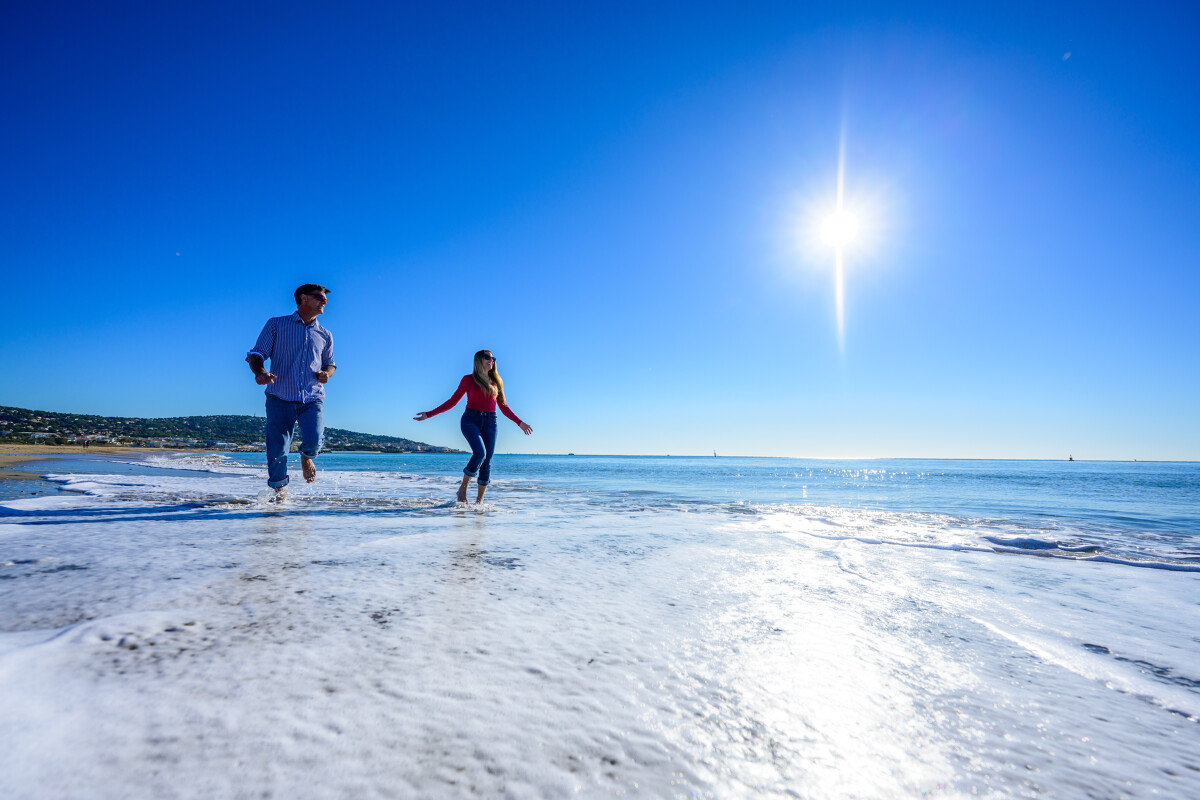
{"x":479,"y":496}
{"x":309,"y":468}
{"x":462,"y":489}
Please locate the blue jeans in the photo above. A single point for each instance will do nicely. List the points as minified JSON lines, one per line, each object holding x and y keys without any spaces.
{"x":282,"y":416}
{"x":480,"y":429}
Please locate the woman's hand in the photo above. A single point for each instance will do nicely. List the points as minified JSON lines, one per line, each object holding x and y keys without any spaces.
{"x":421,"y":417}
{"x":528,"y":430}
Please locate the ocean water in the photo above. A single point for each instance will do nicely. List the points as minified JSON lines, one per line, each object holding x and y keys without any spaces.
{"x":603,"y":627}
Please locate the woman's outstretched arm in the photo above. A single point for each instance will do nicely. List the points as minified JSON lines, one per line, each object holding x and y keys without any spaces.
{"x":508,"y":412}
{"x":449,"y":404}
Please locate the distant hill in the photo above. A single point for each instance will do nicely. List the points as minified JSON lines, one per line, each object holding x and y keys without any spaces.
{"x":235,"y":432}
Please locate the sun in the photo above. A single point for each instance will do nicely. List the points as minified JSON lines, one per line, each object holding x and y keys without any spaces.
{"x":839,"y":229}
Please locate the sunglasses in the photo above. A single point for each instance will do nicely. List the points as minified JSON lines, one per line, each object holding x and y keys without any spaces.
{"x":318,"y":296}
{"x":489,"y":358}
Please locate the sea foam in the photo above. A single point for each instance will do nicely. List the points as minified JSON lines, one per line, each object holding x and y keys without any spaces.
{"x":167,"y":635}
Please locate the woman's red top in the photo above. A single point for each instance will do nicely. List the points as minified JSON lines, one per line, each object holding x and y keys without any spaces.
{"x":477,"y":399}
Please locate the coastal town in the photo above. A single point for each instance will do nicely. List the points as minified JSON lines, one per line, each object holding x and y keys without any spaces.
{"x":228,"y":433}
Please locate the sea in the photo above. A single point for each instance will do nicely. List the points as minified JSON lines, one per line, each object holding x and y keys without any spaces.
{"x":601,"y":626}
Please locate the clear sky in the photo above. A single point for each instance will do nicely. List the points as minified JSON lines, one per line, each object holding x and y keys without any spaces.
{"x":620,"y":201}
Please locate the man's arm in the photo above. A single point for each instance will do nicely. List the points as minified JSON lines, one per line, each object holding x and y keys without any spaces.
{"x":261,"y":376}
{"x":328,"y":367}
{"x":264,"y":347}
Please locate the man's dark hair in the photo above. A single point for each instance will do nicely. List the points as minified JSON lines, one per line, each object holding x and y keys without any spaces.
{"x":308,"y":288}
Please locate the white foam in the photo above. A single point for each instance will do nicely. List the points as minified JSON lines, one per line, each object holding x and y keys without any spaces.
{"x":170,"y":636}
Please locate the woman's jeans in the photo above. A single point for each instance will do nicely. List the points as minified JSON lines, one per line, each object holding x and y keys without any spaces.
{"x":282,"y":416}
{"x":480,"y":429}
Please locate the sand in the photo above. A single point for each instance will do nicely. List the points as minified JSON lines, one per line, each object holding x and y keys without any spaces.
{"x":16,"y":455}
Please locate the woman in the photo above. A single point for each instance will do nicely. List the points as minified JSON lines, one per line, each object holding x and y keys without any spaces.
{"x":484,"y":389}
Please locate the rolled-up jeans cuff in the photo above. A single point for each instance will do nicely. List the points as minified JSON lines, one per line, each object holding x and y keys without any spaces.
{"x":469,"y":473}
{"x":279,"y":484}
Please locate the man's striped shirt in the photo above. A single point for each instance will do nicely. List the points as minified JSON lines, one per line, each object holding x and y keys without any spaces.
{"x":296,"y":352}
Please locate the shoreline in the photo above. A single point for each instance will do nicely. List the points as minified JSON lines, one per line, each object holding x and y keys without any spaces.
{"x":15,"y":456}
{"x":35,"y":450}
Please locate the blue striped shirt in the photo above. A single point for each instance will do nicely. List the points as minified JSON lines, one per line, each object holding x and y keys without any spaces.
{"x":296,"y":351}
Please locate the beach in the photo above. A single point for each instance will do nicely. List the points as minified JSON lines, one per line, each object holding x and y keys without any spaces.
{"x":15,"y":455}
{"x":18,"y":464}
{"x":601,"y":628}
{"x":41,"y":450}
{"x":829,"y":373}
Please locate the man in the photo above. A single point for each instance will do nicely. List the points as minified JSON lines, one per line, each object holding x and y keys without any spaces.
{"x":301,"y":355}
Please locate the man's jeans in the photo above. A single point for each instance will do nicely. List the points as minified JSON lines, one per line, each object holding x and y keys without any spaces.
{"x":281,"y":421}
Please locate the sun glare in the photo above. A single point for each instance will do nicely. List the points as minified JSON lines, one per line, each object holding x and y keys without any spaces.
{"x":840,"y":229}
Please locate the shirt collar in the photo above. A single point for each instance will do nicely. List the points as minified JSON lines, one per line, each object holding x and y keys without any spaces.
{"x":297,"y":318}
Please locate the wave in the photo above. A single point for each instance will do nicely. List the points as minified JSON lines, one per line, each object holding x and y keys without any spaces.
{"x":949,"y":533}
{"x":230,"y":486}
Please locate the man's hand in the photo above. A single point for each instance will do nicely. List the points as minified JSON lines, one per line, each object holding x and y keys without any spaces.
{"x":261,"y":376}
{"x":322,"y":376}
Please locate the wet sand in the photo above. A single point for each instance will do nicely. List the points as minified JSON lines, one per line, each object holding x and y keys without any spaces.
{"x":13,"y":456}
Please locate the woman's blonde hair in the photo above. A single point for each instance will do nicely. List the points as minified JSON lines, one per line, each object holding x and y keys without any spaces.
{"x":489,"y":380}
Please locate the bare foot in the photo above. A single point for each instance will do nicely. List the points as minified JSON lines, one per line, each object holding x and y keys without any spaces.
{"x":310,"y":469}
{"x":462,"y":493}
{"x":479,"y":497}
{"x":280,"y":494}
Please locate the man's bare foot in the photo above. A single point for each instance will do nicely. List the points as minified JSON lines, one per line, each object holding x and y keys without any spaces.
{"x":309,"y":468}
{"x":280,"y":494}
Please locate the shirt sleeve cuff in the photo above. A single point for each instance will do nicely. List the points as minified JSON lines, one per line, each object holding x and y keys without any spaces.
{"x":255,"y":353}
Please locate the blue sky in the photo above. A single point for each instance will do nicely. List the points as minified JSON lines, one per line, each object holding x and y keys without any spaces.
{"x":619,"y":201}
